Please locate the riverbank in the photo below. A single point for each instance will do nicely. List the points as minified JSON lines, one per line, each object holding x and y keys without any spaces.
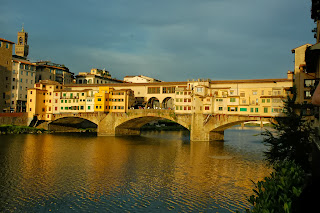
{"x":13,"y":129}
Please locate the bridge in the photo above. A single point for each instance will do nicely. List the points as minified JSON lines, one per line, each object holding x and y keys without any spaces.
{"x":202,"y":127}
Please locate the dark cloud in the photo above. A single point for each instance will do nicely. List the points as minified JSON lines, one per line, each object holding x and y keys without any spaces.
{"x":170,"y":39}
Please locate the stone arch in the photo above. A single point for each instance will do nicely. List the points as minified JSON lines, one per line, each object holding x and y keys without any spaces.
{"x":134,"y":124}
{"x":168,"y":103}
{"x":69,"y":123}
{"x":80,"y":81}
{"x":85,"y":81}
{"x":227,"y":125}
{"x":90,"y":81}
{"x":153,"y":103}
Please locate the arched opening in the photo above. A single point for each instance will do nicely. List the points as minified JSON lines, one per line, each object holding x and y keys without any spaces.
{"x":80,"y":81}
{"x":153,"y":103}
{"x":85,"y":81}
{"x":90,"y":81}
{"x":167,"y":103}
{"x":134,"y":126}
{"x":72,"y":124}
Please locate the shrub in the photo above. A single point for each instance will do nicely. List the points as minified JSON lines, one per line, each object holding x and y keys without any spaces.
{"x":279,"y":192}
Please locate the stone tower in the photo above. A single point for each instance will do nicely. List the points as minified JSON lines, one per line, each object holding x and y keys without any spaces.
{"x":22,"y":47}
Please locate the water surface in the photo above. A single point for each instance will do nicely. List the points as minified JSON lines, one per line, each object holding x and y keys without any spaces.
{"x":155,"y":172}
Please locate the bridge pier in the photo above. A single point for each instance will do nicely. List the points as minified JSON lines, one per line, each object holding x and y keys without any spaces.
{"x":198,"y":132}
{"x":216,"y":136}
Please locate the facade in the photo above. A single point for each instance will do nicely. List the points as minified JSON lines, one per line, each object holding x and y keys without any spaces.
{"x":48,"y":98}
{"x":44,"y":99}
{"x":260,"y":97}
{"x":47,"y":70}
{"x":304,"y":80}
{"x":96,"y":76}
{"x":5,"y":74}
{"x":140,"y":79}
{"x":23,"y":78}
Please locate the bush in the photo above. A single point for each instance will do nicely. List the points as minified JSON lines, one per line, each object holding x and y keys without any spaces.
{"x":280,"y":192}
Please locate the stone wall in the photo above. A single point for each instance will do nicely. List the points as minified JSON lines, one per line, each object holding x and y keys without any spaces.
{"x":19,"y":119}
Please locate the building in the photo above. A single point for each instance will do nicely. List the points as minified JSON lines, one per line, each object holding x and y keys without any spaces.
{"x":22,"y":47}
{"x":140,"y":79}
{"x":304,"y":79}
{"x":5,"y":74}
{"x":46,"y":70}
{"x":44,"y":99}
{"x":96,"y":76}
{"x":22,"y":78}
{"x":77,"y":101}
{"x":111,"y":100}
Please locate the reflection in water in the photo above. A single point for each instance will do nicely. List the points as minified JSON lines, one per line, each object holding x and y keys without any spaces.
{"x":158,"y":171}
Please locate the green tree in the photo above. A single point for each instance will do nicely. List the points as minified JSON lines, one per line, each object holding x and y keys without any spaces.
{"x":292,"y":136}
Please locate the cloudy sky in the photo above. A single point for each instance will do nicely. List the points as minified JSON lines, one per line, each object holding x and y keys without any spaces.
{"x":171,"y":40}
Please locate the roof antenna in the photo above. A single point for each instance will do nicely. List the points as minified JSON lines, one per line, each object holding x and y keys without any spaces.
{"x":22,"y":27}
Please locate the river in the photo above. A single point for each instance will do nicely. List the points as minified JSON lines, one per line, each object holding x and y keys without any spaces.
{"x":154,"y":172}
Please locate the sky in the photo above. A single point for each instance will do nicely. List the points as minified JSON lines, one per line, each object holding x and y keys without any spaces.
{"x":170,"y":40}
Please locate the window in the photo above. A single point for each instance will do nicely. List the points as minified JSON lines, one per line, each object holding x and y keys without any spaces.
{"x":242,"y":94}
{"x":309,"y":82}
{"x":268,"y":100}
{"x":220,"y":108}
{"x":257,"y":110}
{"x":251,"y":109}
{"x":254,"y":92}
{"x":99,"y":99}
{"x":307,"y":94}
{"x":232,"y":99}
{"x":21,"y":72}
{"x":265,"y":109}
{"x":31,"y":92}
{"x":243,"y":109}
{"x":153,"y":90}
{"x":168,"y":89}
{"x":81,"y":107}
{"x":88,"y":107}
{"x":62,"y":108}
{"x":206,"y":108}
{"x":30,"y":100}
{"x":199,"y":89}
{"x":262,"y":92}
{"x":263,"y":100}
{"x":7,"y":45}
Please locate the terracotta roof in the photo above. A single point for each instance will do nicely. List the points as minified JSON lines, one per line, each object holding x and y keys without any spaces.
{"x":24,"y":62}
{"x":2,"y":39}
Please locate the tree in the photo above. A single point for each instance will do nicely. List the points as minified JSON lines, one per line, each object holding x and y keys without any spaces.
{"x":292,"y":136}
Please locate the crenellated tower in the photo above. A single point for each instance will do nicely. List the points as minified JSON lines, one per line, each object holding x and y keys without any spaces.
{"x":22,"y":47}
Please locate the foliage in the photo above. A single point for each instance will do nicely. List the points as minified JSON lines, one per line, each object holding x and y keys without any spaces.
{"x":292,"y":137}
{"x":279,"y":192}
{"x":12,"y":129}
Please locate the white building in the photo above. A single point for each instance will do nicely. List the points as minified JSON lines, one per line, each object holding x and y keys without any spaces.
{"x":140,"y":79}
{"x":23,"y":78}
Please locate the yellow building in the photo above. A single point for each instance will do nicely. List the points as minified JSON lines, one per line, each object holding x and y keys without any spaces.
{"x":111,"y":100}
{"x":101,"y":99}
{"x":120,"y":100}
{"x":44,"y":100}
